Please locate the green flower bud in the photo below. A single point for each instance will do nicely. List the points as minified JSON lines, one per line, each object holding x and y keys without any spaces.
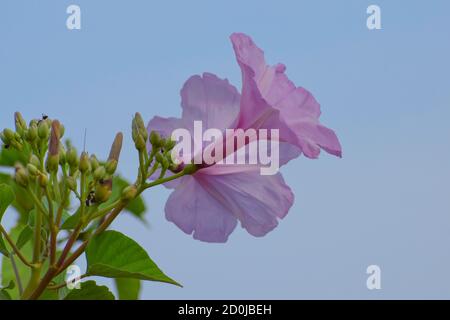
{"x":72,"y":157}
{"x":32,"y":132}
{"x":62,"y":130}
{"x":140,"y":143}
{"x":62,"y":155}
{"x":155,"y":139}
{"x":20,"y":123}
{"x":103,"y":191}
{"x":169,"y":145}
{"x":85,"y":164}
{"x":71,"y":183}
{"x":129,"y":193}
{"x":21,"y":176}
{"x":43,"y":180}
{"x":32,"y":170}
{"x":52,"y":163}
{"x":34,"y":160}
{"x":159,"y":157}
{"x":141,"y":126}
{"x":165,"y":163}
{"x":94,"y":162}
{"x":4,"y":139}
{"x":43,"y":130}
{"x":9,"y":135}
{"x":99,"y":173}
{"x":111,"y":166}
{"x":17,"y":145}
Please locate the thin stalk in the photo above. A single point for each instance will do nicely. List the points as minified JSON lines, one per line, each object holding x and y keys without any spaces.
{"x":14,"y":247}
{"x":16,"y":273}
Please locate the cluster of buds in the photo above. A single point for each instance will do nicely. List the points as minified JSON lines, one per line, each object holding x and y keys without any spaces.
{"x":46,"y":155}
{"x":34,"y":134}
{"x":160,"y":147}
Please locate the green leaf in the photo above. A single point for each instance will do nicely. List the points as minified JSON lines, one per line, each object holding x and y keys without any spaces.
{"x":24,"y":236}
{"x":9,"y":157}
{"x":6,"y":198}
{"x":90,"y":291}
{"x":112,"y":254}
{"x":22,"y":203}
{"x":72,"y":221}
{"x":7,"y":269}
{"x":4,"y":295}
{"x":128,"y":289}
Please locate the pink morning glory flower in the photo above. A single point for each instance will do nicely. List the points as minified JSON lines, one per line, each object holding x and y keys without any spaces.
{"x":209,"y":203}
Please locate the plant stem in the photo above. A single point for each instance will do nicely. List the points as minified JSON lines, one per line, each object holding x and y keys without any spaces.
{"x":164,"y":180}
{"x":63,"y":263}
{"x":37,"y":202}
{"x":16,"y":273}
{"x":14,"y":247}
{"x":52,"y":227}
{"x":62,"y":285}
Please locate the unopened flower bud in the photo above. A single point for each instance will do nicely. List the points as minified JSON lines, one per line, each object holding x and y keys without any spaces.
{"x":111,"y":166}
{"x":43,"y":180}
{"x":141,"y":126}
{"x":4,"y":139}
{"x":165,"y":163}
{"x":21,"y":176}
{"x":99,"y":173}
{"x":94,"y":162}
{"x":52,"y":163}
{"x":85,"y":164}
{"x":114,"y":153}
{"x":155,"y":139}
{"x":103,"y":191}
{"x":159,"y":157}
{"x":140,"y":143}
{"x":20,"y":123}
{"x":72,"y":157}
{"x":34,"y":160}
{"x":62,"y":130}
{"x":62,"y":155}
{"x":71,"y":183}
{"x":32,"y":132}
{"x":9,"y":135}
{"x":43,"y":130}
{"x":53,"y":148}
{"x":32,"y":170}
{"x":129,"y":193}
{"x":170,"y":144}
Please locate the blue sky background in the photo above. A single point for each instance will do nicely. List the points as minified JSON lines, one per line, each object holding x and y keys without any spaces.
{"x":386,"y":93}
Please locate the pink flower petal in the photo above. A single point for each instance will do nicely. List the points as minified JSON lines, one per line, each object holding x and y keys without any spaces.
{"x":266,"y":88}
{"x":210,"y":99}
{"x":256,"y":201}
{"x":195,"y":212}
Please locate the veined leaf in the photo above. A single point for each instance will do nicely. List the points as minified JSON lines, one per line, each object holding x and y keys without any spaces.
{"x":7,"y":269}
{"x":90,"y":291}
{"x":128,"y":289}
{"x":6,"y":198}
{"x":113,"y":255}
